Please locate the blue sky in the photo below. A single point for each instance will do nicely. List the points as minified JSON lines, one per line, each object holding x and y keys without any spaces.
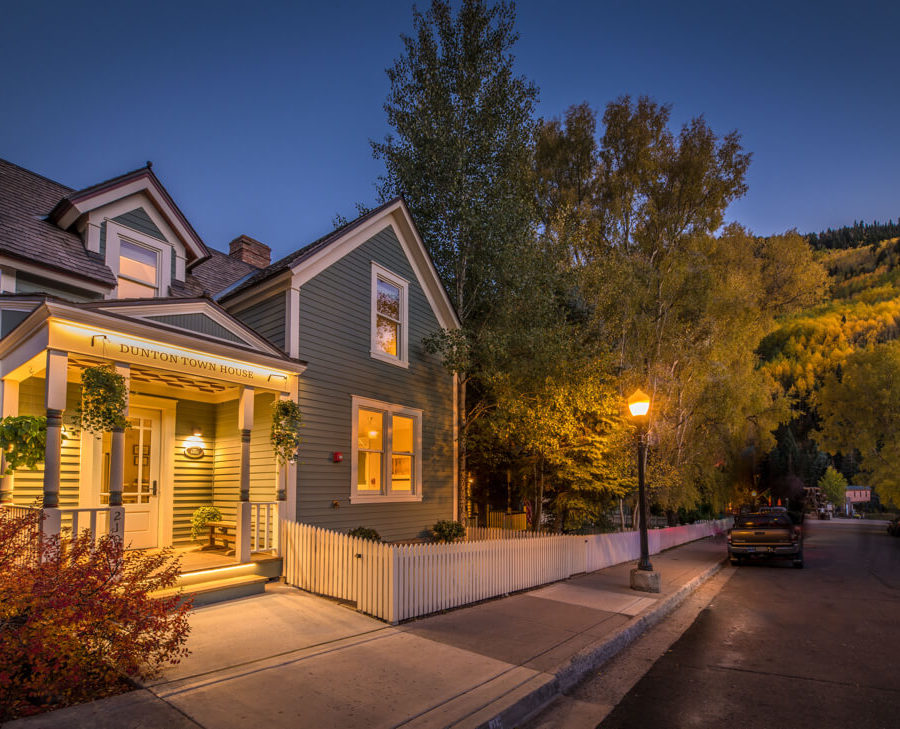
{"x":257,"y":118}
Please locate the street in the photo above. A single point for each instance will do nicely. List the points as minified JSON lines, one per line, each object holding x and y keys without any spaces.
{"x":780,"y":647}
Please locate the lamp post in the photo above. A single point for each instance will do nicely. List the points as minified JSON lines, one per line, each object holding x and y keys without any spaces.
{"x":643,"y":577}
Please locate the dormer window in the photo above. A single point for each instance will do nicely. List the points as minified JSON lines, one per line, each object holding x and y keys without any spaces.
{"x":390,"y":318}
{"x":138,"y":271}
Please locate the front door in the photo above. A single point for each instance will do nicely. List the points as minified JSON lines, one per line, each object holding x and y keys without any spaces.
{"x":140,"y":486}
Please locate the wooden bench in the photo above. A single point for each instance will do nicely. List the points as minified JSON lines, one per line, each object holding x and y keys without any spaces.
{"x":222,"y":533}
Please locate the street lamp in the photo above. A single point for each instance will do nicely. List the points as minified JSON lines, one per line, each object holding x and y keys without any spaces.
{"x":643,"y":578}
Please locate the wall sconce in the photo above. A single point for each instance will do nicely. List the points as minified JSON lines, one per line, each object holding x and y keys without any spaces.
{"x":193,"y":448}
{"x":197,"y":432}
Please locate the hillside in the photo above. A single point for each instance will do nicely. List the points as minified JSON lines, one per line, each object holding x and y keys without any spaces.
{"x":862,"y":308}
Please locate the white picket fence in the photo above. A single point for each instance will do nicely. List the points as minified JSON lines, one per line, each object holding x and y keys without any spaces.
{"x":398,"y":582}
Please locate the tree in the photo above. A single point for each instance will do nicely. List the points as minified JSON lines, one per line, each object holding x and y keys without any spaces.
{"x":834,"y":486}
{"x":859,"y":409}
{"x":460,"y":156}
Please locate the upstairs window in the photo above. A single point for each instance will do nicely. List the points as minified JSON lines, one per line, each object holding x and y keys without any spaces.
{"x":138,"y":271}
{"x":390,"y":319}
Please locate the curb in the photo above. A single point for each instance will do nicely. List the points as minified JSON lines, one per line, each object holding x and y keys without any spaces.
{"x":590,"y":659}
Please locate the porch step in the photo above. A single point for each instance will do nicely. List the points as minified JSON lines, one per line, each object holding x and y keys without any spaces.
{"x":266,"y":567}
{"x":210,"y":591}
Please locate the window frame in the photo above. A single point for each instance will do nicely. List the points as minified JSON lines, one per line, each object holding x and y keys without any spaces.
{"x":380,"y":273}
{"x":387,"y":494}
{"x":115,"y":234}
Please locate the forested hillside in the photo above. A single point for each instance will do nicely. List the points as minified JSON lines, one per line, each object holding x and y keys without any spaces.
{"x":808,"y":355}
{"x":851,"y":236}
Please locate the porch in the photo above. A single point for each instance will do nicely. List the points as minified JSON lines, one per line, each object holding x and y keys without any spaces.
{"x":193,"y":439}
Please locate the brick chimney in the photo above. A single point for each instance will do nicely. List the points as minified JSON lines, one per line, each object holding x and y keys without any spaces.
{"x":251,"y":251}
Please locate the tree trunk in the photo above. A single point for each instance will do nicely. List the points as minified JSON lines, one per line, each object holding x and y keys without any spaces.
{"x":462,"y":507}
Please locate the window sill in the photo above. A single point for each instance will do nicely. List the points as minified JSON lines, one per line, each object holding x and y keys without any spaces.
{"x":387,"y":359}
{"x":383,"y":498}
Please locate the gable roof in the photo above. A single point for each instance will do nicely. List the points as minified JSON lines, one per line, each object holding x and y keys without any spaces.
{"x":220,"y":271}
{"x":26,"y":199}
{"x":307,"y":261}
{"x":298,"y":256}
{"x":81,"y":202}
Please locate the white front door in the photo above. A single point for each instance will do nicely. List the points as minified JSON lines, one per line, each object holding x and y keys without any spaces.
{"x":140,"y":485}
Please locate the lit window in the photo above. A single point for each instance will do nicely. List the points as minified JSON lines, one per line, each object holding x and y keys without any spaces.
{"x":138,"y":271}
{"x":387,"y":452}
{"x":389,"y":316}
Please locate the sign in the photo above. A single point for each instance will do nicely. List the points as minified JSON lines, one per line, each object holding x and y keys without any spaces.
{"x":118,"y":347}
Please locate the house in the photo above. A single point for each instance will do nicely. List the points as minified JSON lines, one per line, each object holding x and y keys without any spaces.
{"x":207,"y":341}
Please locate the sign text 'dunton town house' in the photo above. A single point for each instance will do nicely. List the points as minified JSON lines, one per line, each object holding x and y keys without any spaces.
{"x":186,"y":361}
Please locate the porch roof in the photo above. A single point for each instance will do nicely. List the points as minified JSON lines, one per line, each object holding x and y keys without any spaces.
{"x":109,"y":335}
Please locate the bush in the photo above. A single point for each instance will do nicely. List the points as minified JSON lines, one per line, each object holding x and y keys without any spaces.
{"x":448,"y":531}
{"x":201,"y":517}
{"x":77,"y":622}
{"x":365,"y":533}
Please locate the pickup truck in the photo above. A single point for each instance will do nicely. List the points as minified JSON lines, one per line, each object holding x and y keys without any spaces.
{"x":765,"y":536}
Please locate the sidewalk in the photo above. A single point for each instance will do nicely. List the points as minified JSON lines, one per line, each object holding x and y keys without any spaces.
{"x":288,"y":659}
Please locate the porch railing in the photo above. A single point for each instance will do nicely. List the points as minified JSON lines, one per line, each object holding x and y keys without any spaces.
{"x":87,"y":518}
{"x":263,"y":525}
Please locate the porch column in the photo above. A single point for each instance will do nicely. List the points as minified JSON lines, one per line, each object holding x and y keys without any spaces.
{"x":245,"y":423}
{"x":116,"y":525}
{"x":55,"y":401}
{"x":9,"y":405}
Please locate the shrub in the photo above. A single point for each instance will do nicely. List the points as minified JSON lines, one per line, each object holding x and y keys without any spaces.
{"x":78,"y":622}
{"x":448,"y":531}
{"x":365,"y":533}
{"x":201,"y":517}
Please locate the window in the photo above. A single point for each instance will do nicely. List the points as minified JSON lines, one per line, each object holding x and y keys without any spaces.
{"x":389,"y":317}
{"x":138,"y":271}
{"x":387,"y":452}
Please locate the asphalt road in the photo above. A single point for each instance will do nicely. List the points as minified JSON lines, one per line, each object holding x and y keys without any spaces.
{"x":781,"y":647}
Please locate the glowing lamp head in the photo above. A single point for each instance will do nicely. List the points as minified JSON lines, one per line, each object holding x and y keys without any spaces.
{"x":639,"y":404}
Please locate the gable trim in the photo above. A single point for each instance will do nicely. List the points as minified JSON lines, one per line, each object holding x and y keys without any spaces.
{"x":398,"y":218}
{"x":69,"y":210}
{"x":144,"y":311}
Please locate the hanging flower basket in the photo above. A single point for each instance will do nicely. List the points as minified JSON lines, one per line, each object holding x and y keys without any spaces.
{"x":286,"y":423}
{"x":102,"y":400}
{"x":23,"y":440}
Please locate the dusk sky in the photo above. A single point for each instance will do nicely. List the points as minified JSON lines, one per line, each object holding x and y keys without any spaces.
{"x":257,"y":116}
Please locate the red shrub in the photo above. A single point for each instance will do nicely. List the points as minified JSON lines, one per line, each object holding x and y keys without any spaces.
{"x":78,"y":621}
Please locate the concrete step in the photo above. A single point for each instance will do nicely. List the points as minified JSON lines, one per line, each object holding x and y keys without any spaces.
{"x":270,"y":567}
{"x":211,"y":591}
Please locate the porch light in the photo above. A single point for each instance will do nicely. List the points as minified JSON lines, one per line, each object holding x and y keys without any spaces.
{"x":198,"y":432}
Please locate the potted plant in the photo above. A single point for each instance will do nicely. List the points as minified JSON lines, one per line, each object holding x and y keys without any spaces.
{"x":201,"y":517}
{"x":103,"y":400}
{"x":23,"y":440}
{"x":286,"y":423}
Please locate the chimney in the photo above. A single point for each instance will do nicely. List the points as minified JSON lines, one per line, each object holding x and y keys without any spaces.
{"x":251,"y":251}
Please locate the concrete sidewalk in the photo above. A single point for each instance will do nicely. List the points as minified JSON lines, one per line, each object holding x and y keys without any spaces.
{"x":288,"y":659}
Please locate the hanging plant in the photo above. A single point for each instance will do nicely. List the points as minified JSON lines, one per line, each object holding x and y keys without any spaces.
{"x":102,"y":400}
{"x":286,"y":423}
{"x":23,"y":439}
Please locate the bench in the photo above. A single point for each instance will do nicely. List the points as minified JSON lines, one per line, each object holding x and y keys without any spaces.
{"x":222,"y":533}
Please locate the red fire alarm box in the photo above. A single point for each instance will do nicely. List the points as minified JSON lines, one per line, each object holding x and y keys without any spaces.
{"x":337,"y":457}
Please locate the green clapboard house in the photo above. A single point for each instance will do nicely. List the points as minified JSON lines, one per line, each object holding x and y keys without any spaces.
{"x":207,"y":342}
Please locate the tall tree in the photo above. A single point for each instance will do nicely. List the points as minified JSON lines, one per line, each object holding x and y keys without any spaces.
{"x":460,"y":156}
{"x":860,"y":410}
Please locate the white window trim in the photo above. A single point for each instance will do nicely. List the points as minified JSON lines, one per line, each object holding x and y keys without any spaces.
{"x":380,"y":272}
{"x":386,"y":496}
{"x":116,"y":232}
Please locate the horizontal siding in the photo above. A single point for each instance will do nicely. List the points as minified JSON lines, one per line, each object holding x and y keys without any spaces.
{"x":194,"y":479}
{"x":263,"y":467}
{"x":335,"y":340}
{"x":29,"y":485}
{"x":199,"y":323}
{"x":35,"y":285}
{"x":267,"y":318}
{"x":139,"y":220}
